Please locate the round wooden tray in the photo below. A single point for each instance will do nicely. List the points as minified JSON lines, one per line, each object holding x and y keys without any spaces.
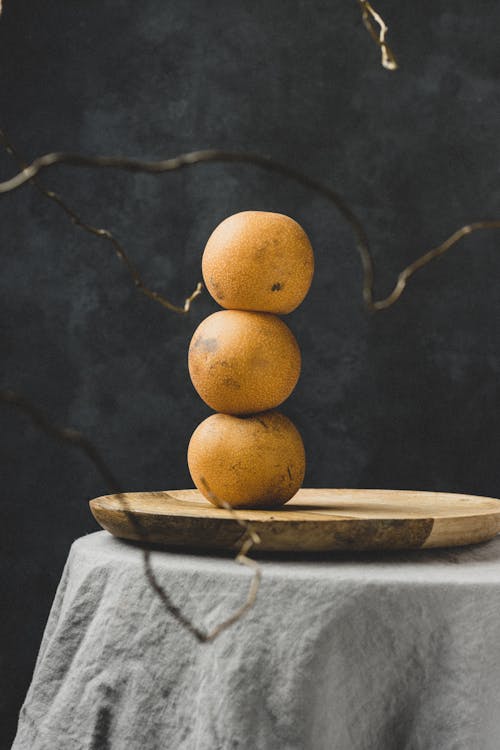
{"x":315,"y":520}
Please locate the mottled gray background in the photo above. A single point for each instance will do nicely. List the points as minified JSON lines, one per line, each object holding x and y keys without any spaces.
{"x":407,"y":398}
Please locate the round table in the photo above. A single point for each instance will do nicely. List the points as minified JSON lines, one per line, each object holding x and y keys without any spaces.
{"x":398,"y":651}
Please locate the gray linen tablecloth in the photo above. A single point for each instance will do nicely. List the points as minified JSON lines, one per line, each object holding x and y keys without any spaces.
{"x":399,"y":652}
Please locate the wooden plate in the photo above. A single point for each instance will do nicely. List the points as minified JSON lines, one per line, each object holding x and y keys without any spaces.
{"x":313,"y":521}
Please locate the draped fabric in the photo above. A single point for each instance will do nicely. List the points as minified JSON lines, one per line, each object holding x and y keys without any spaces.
{"x":389,"y":652}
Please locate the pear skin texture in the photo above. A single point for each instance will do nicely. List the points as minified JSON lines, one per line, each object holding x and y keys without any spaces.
{"x":243,"y":362}
{"x":256,"y":461}
{"x":257,"y":260}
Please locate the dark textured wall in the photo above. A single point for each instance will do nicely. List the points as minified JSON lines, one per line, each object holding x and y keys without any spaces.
{"x":407,"y":398}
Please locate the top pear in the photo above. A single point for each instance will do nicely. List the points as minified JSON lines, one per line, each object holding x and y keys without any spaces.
{"x":256,"y":260}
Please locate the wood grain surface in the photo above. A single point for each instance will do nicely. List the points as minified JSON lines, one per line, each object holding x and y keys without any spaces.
{"x":314,"y":520}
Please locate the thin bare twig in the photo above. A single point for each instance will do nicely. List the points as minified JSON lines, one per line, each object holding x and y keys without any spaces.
{"x":271,"y":165}
{"x":369,"y":15}
{"x":77,"y":439}
{"x":104,"y":234}
{"x":251,"y":538}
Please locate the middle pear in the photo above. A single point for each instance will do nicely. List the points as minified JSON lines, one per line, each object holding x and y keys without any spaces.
{"x":243,"y":362}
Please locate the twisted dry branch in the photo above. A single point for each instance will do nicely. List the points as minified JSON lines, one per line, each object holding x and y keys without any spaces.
{"x":193,"y":158}
{"x":78,"y":440}
{"x":104,"y":234}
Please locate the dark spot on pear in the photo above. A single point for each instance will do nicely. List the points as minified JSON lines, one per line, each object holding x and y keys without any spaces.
{"x":231,"y":383}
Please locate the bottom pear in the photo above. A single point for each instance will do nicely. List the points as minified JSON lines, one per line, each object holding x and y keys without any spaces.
{"x":248,"y":462}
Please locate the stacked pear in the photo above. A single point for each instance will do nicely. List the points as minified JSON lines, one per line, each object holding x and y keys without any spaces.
{"x":244,"y":361}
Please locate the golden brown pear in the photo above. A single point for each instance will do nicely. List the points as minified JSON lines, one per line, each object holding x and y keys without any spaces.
{"x":243,"y":362}
{"x":247,"y":461}
{"x":257,"y":260}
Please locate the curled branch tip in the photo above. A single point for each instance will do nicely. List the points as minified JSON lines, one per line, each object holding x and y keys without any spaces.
{"x":369,"y":16}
